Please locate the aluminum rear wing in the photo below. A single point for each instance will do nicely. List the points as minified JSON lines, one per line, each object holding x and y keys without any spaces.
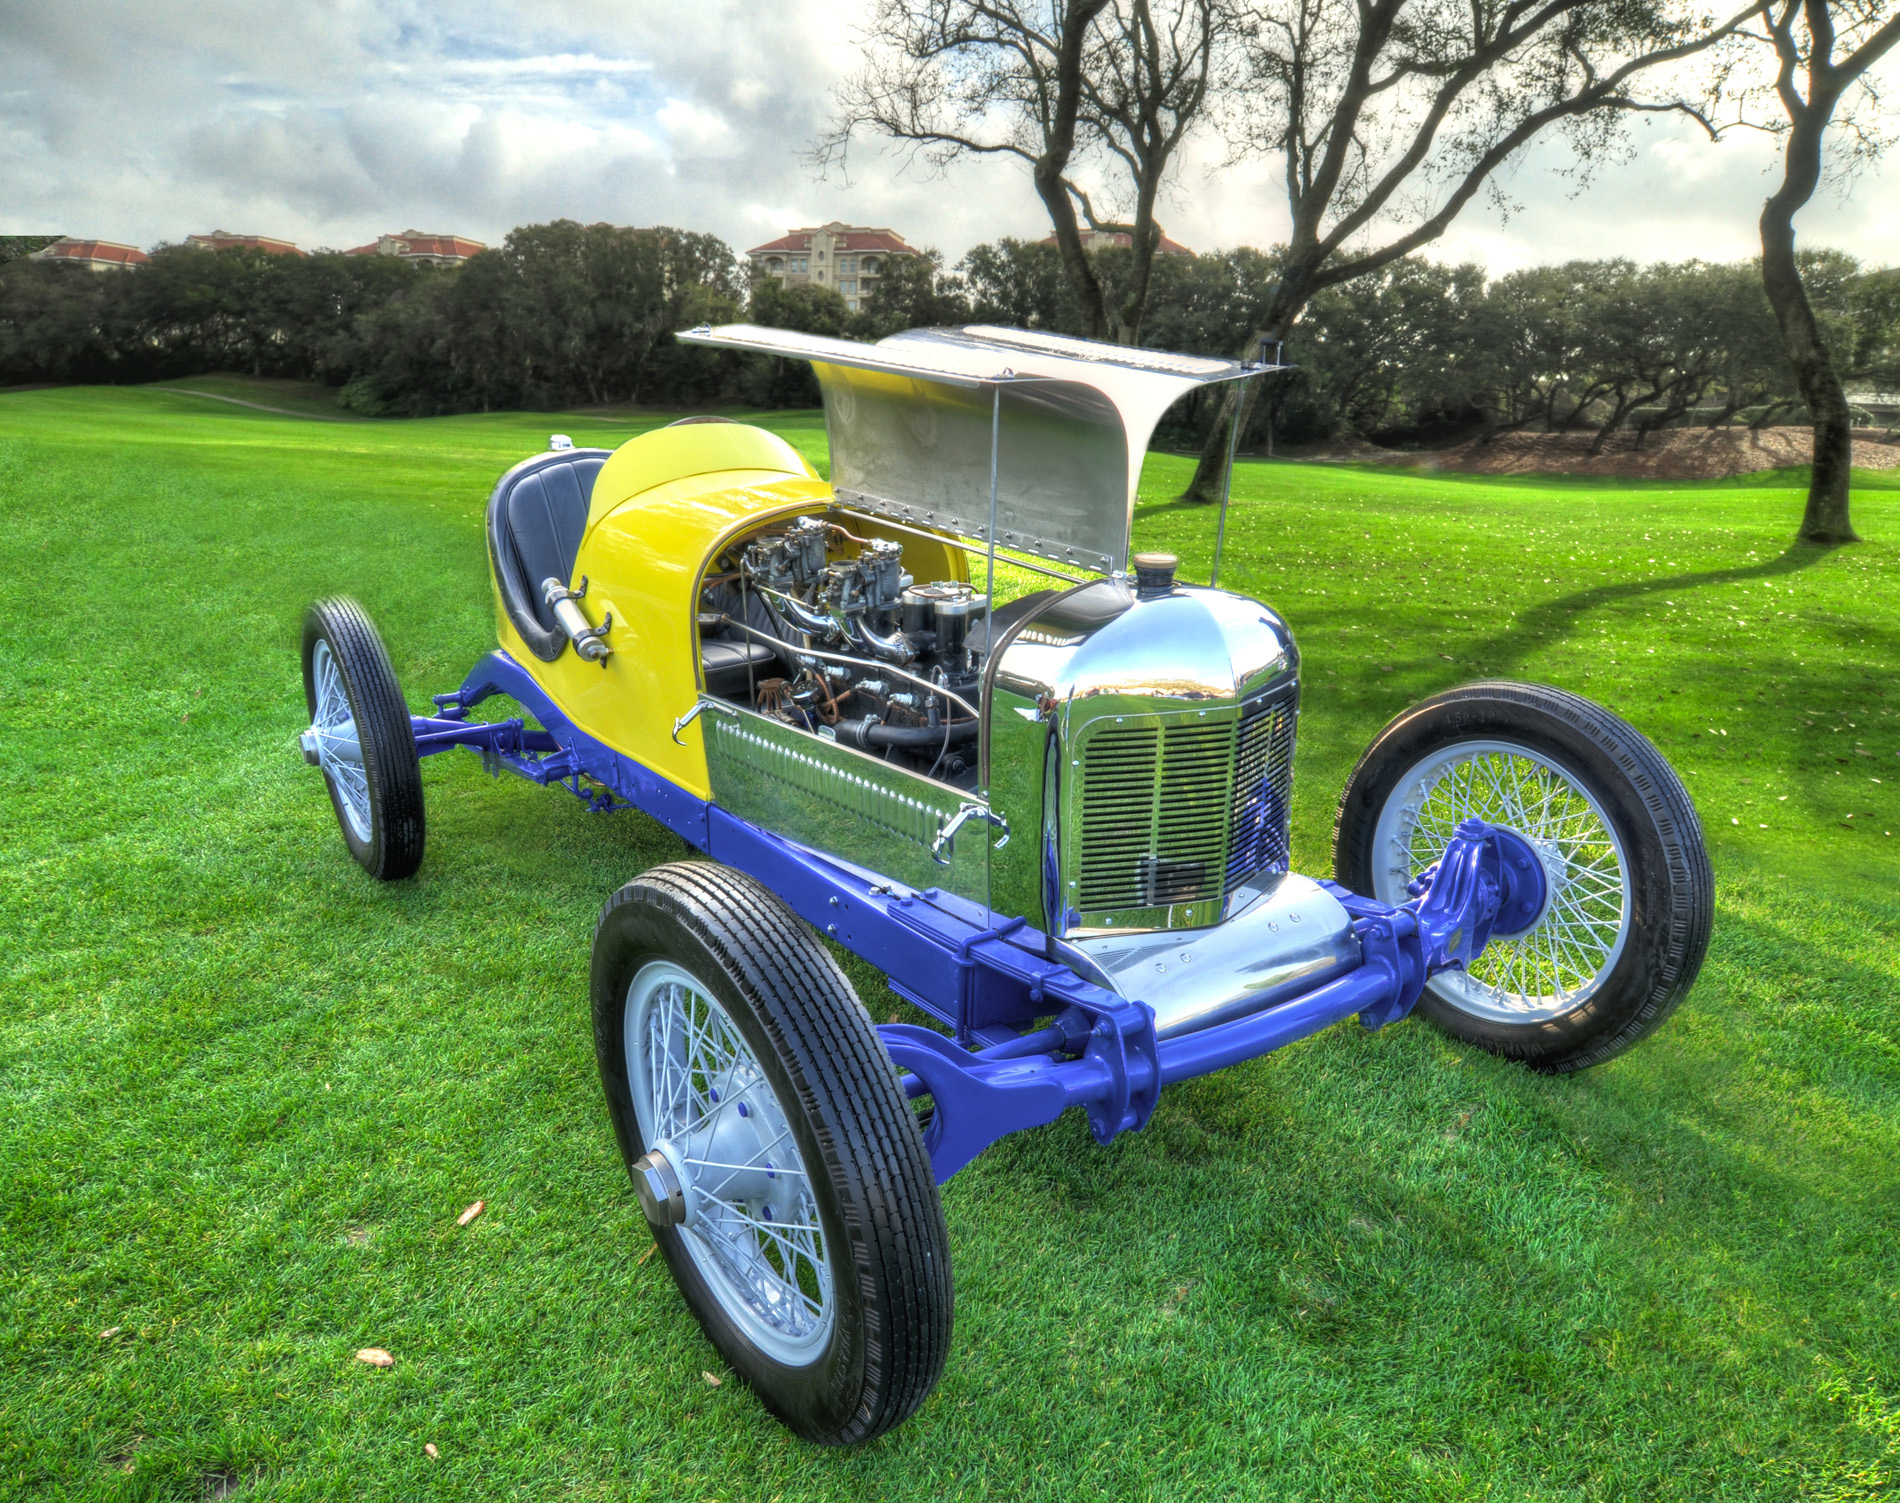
{"x":1020,"y":440}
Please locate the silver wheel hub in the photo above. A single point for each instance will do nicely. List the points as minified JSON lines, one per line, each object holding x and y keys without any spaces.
{"x":1559,"y":962}
{"x":723,"y":1166}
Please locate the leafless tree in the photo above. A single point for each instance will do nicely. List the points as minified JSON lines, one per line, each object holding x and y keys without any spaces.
{"x":1389,"y":117}
{"x":1113,"y":86}
{"x":1823,"y":50}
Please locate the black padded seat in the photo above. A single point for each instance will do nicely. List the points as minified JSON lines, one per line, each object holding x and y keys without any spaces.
{"x":535,"y":520}
{"x":733,"y":667}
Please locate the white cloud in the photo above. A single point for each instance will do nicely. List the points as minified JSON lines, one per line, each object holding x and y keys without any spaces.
{"x":329,"y":123}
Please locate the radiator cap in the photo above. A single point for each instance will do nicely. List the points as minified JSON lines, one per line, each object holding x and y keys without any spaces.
{"x":1154,"y":574}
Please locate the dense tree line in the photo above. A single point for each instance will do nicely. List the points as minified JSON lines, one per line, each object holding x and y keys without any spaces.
{"x":565,"y":314}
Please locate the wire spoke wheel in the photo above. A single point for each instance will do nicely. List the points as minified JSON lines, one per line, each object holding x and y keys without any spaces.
{"x":772,"y":1150}
{"x":1629,"y":898}
{"x":753,"y":1224}
{"x":1560,"y":961}
{"x":339,"y":751}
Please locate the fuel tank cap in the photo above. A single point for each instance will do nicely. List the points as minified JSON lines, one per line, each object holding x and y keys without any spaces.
{"x":1154,"y":574}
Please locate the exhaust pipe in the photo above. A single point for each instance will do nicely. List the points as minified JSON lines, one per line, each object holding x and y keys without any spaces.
{"x":589,"y":641}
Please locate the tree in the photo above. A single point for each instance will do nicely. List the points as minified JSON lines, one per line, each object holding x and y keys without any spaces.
{"x":1379,"y":341}
{"x":558,"y":314}
{"x":1389,"y":116}
{"x":52,"y":324}
{"x":1020,"y":283}
{"x":913,"y":293}
{"x":13,"y":247}
{"x":1061,"y":85}
{"x":1810,"y":83}
{"x":1145,"y":83}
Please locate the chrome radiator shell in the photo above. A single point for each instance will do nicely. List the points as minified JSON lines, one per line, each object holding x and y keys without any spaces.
{"x":1116,"y":730}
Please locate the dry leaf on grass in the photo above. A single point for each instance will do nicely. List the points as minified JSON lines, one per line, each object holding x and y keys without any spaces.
{"x":375,"y":1356}
{"x":109,"y":1332}
{"x":431,"y":1452}
{"x":711,"y":1381}
{"x":652,"y":1248}
{"x":471,"y":1213}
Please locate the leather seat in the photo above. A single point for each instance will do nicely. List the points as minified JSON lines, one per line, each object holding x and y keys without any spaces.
{"x":732,"y":666}
{"x":535,"y":520}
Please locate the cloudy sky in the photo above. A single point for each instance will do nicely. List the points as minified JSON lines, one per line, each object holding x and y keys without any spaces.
{"x":329,"y":121}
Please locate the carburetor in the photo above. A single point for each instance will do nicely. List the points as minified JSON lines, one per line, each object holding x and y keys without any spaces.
{"x":789,"y":561}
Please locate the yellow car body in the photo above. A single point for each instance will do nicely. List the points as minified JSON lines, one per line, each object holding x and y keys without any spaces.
{"x":662,"y":509}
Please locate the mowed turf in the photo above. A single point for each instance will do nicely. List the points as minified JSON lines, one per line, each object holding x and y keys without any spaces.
{"x":245,"y":1092}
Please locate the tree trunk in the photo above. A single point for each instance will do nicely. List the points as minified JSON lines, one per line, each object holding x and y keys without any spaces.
{"x":1288,"y":299}
{"x":1075,"y":260}
{"x":1051,"y":168}
{"x":1826,"y":519}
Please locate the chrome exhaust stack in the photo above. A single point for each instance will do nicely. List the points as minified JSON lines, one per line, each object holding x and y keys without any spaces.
{"x":589,"y":641}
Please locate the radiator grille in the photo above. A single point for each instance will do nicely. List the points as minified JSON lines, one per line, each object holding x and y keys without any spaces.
{"x":1118,"y":795}
{"x":1184,"y":812}
{"x":1263,"y":786}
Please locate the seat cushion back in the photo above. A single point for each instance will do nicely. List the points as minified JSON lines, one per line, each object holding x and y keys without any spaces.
{"x":535,"y":521}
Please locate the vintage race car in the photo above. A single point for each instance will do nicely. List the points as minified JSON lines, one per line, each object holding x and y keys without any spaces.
{"x":1058,"y":825}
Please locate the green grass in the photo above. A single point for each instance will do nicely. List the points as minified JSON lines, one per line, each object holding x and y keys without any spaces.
{"x":244,"y":1092}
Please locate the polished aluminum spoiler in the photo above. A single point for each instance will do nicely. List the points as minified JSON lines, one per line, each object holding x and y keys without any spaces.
{"x":1038,"y":434}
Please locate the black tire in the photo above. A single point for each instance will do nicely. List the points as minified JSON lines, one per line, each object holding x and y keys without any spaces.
{"x":884,"y":1238}
{"x":390,"y":846}
{"x":1670,"y":903}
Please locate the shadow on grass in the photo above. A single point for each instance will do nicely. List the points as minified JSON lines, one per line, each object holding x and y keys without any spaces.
{"x":1529,"y":630}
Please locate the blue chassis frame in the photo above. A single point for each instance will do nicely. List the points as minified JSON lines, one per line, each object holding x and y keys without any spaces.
{"x":990,"y":982}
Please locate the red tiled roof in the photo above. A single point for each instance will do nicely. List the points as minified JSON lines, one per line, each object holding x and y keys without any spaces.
{"x":796,"y":241}
{"x":875,"y":240}
{"x":415,"y":243}
{"x":850,"y":242}
{"x":224,"y":240}
{"x":70,"y":249}
{"x":440,"y":245}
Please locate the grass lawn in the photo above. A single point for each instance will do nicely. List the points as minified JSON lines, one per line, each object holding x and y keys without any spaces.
{"x":245,"y":1092}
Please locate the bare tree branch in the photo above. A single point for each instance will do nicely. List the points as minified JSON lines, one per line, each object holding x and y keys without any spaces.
{"x":1392,"y":115}
{"x":1074,"y":88}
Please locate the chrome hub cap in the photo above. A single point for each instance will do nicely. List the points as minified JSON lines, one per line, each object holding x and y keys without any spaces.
{"x":745,"y":1209}
{"x":1555,"y":966}
{"x":332,"y":738}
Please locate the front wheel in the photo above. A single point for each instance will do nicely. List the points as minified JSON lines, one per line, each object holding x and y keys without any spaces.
{"x":360,"y":735}
{"x":1631,"y":895}
{"x":776,"y":1158}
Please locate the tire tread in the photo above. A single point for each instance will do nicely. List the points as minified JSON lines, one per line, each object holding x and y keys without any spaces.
{"x":393,"y":767}
{"x":808,"y":1004}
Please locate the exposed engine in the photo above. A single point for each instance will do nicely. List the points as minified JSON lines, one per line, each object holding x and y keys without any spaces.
{"x":849,"y":648}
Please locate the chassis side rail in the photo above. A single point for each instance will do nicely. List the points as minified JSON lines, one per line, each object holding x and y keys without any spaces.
{"x":1049,"y":1039}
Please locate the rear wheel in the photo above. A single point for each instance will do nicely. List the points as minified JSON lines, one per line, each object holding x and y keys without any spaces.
{"x":1631,"y":901}
{"x":772,"y":1150}
{"x":361,"y":737}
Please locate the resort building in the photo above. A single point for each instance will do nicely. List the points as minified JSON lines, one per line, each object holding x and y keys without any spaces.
{"x":413,"y":245}
{"x":95,"y":255}
{"x":847,"y":258}
{"x":1097,"y":239}
{"x":224,"y":240}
